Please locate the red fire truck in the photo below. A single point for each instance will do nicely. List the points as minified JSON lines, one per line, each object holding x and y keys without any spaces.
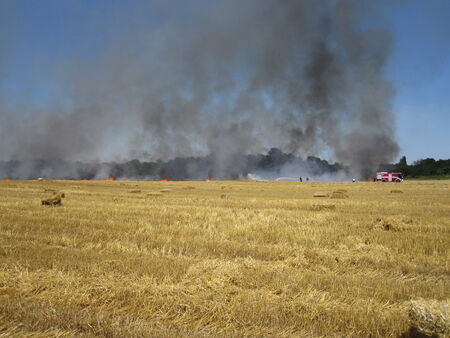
{"x":384,"y":176}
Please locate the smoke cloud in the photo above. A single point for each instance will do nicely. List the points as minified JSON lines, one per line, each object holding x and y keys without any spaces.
{"x":160,"y":80}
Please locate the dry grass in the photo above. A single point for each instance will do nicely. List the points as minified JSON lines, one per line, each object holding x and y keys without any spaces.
{"x":154,"y":194}
{"x":339,"y":194}
{"x":319,"y":207}
{"x":270,"y":261}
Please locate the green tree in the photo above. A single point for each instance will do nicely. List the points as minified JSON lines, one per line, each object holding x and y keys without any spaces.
{"x":403,"y":167}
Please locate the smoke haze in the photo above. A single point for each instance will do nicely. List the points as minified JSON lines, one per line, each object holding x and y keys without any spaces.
{"x":160,"y":80}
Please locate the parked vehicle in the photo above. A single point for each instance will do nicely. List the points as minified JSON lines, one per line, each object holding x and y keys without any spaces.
{"x":384,"y":176}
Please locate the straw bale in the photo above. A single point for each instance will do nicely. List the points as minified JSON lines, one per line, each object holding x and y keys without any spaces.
{"x":320,"y":194}
{"x":430,"y":317}
{"x":54,"y":200}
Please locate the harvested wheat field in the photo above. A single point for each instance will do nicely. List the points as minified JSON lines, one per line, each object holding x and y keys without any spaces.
{"x":224,"y":259}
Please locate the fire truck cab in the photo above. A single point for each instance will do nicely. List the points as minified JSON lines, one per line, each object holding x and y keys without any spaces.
{"x":389,"y":177}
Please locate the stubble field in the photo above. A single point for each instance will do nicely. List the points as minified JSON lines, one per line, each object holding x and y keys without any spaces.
{"x":222,"y":259}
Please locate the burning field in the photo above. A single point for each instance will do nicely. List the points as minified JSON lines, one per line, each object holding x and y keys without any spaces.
{"x":224,"y":258}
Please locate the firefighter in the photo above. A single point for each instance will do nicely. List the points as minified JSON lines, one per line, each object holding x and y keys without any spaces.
{"x":301,"y":179}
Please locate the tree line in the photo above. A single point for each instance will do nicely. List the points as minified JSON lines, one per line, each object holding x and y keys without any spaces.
{"x":427,"y":167}
{"x":198,"y":168}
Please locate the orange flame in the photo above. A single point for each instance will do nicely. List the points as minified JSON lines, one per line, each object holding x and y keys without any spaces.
{"x":164,"y":180}
{"x":110,"y":179}
{"x":206,"y":179}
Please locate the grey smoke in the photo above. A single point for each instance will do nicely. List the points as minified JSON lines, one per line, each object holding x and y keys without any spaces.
{"x":222,"y":77}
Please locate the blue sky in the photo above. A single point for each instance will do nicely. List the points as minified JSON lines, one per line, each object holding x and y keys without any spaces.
{"x":420,"y":71}
{"x":419,"y":66}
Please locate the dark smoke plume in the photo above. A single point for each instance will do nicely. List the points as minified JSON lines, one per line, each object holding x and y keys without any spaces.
{"x":221,"y":78}
{"x":274,"y":165}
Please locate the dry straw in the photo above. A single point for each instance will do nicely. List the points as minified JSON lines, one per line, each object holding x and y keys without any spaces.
{"x":430,"y":317}
{"x":49,"y":190}
{"x":320,"y":207}
{"x":188,"y":263}
{"x":387,"y":225}
{"x":342,"y":191}
{"x":338,"y":194}
{"x":55,"y":200}
{"x":154,"y":194}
